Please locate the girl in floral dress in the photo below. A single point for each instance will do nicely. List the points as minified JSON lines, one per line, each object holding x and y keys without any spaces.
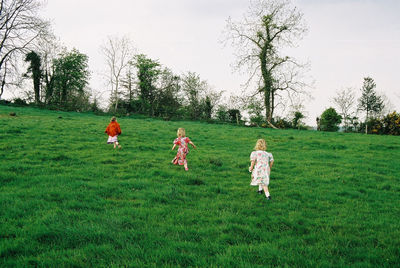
{"x":182,"y":141}
{"x":261,"y":164}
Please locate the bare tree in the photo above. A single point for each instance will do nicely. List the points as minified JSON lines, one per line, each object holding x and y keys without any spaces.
{"x":259,"y":38}
{"x":20,"y":25}
{"x":345,"y":102}
{"x":118,"y":53}
{"x":49,"y":48}
{"x":387,"y":105}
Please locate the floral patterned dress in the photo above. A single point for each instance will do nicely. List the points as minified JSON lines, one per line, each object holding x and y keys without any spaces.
{"x":183,"y":150}
{"x":261,"y":170}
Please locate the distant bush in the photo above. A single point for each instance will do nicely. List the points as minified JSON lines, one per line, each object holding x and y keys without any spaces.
{"x":330,"y":120}
{"x":391,"y":123}
{"x":295,"y":123}
{"x":375,"y":126}
{"x":222,"y":114}
{"x":5,"y":102}
{"x":282,"y":123}
{"x":20,"y":102}
{"x":257,"y":120}
{"x":388,"y":125}
{"x":234,"y":116}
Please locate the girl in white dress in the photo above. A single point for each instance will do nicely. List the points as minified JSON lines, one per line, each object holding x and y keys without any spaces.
{"x":261,"y":164}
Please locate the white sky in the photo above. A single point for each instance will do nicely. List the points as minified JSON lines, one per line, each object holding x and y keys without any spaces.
{"x":347,"y":40}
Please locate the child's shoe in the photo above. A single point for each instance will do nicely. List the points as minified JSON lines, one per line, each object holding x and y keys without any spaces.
{"x":269,"y":197}
{"x":186,"y":169}
{"x":260,"y":192}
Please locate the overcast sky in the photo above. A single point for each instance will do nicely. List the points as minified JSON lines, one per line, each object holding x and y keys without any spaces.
{"x":347,"y":40}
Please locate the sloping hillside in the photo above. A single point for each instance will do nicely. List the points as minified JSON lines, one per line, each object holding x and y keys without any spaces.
{"x":67,"y":198}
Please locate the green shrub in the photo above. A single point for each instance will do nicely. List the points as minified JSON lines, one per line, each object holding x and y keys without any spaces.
{"x":391,"y":123}
{"x":330,"y":120}
{"x":20,"y":102}
{"x":388,"y":125}
{"x":282,"y":123}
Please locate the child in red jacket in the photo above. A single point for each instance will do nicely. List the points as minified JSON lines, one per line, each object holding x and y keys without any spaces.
{"x":113,"y":130}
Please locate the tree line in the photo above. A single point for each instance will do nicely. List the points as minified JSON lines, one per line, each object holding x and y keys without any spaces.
{"x":140,"y":84}
{"x":59,"y":78}
{"x":378,"y":117}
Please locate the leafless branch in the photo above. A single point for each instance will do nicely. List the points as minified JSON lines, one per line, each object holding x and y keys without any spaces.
{"x":267,"y":27}
{"x":118,"y":53}
{"x":20,"y":26}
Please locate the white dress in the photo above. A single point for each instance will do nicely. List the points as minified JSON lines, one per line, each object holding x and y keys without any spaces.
{"x":261,"y":169}
{"x":112,"y":139}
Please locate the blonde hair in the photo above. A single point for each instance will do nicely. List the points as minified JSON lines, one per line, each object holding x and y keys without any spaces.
{"x":181,"y":132}
{"x":261,"y":145}
{"x":113,"y":119}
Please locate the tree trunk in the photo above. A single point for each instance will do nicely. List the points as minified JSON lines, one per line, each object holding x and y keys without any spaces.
{"x":116,"y":94}
{"x":271,"y":125}
{"x":2,"y":87}
{"x":267,"y":87}
{"x":49,"y":87}
{"x":272,"y":104}
{"x":267,"y":104}
{"x":36,"y":86}
{"x":116,"y":101}
{"x":3,"y":80}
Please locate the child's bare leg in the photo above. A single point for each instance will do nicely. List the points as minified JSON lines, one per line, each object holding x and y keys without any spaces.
{"x":119,"y":146}
{"x":260,"y":189}
{"x":115,"y":144}
{"x":266,"y":191}
{"x":185,"y":165}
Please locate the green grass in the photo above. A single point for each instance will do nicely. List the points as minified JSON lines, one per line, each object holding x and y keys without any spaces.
{"x":68,"y":199}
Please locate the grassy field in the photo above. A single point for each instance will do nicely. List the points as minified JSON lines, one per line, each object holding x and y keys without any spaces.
{"x":68,"y":199}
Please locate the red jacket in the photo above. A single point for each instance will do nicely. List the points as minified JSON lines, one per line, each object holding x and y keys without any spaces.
{"x":113,"y":129}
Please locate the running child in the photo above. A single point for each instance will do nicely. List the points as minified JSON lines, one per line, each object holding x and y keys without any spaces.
{"x":113,"y":130}
{"x":261,"y":164}
{"x":183,"y":148}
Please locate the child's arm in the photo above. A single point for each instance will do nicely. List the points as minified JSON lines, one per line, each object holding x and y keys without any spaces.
{"x":191,"y":143}
{"x":271,"y":162}
{"x":173,"y":147}
{"x":252,"y":166}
